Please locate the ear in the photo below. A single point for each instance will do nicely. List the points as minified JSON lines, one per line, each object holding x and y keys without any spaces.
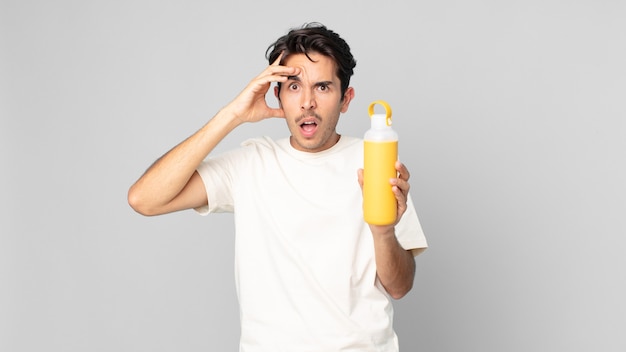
{"x":347,"y":98}
{"x":277,"y":95}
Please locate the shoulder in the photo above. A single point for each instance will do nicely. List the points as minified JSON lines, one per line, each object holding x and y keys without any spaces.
{"x":249,"y":150}
{"x":350,"y":142}
{"x":264,"y":142}
{"x":349,"y":145}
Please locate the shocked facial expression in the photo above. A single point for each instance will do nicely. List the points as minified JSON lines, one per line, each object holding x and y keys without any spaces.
{"x":312,"y":102}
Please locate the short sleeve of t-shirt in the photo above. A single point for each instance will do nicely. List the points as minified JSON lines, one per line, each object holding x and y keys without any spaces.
{"x":409,"y":230}
{"x":216,"y":175}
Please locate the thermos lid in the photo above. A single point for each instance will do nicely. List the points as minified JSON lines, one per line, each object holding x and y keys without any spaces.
{"x":380,"y":120}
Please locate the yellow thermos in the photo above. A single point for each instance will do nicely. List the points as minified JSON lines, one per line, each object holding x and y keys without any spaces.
{"x":380,"y":156}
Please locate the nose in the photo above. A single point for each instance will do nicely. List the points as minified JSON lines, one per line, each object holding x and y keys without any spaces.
{"x":308,"y":100}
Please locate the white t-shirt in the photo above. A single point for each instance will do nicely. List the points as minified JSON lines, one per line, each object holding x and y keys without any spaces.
{"x":304,"y":257}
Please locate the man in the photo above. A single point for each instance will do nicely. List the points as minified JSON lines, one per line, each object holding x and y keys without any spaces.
{"x":311,"y":275}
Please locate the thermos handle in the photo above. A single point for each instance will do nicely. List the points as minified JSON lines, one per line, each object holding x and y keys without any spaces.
{"x":384,"y":104}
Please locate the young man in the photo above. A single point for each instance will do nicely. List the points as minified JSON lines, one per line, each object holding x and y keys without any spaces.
{"x":311,"y":275}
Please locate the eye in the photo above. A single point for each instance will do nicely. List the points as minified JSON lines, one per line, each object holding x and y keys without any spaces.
{"x":323,"y":87}
{"x":293,"y":86}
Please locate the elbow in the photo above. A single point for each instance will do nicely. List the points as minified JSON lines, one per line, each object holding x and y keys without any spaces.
{"x":400,"y":292}
{"x":137,"y":202}
{"x":399,"y":295}
{"x":402,"y":286}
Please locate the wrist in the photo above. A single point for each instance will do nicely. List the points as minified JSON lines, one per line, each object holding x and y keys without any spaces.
{"x":383,"y":231}
{"x":228,"y":118}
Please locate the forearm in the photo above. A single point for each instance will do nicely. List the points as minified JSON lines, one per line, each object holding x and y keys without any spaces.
{"x":395,"y":266}
{"x":169,"y":175}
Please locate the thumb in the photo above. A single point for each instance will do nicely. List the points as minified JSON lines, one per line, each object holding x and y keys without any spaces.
{"x":277,"y":112}
{"x":359,"y":174}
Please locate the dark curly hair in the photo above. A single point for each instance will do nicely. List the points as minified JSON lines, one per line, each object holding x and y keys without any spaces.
{"x":315,"y":37}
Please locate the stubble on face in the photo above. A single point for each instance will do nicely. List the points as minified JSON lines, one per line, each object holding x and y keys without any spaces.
{"x":325,"y":134}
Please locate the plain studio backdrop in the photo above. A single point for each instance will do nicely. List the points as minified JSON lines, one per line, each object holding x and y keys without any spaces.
{"x":511,"y":119}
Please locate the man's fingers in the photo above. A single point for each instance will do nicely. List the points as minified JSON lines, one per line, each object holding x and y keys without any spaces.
{"x":403,"y":172}
{"x":277,"y":61}
{"x":359,"y":174}
{"x":402,"y":185}
{"x":278,"y":73}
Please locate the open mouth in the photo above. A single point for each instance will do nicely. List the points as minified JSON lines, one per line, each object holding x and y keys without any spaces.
{"x":308,"y":127}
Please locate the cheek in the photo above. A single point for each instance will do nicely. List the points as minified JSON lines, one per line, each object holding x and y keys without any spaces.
{"x":287,"y":100}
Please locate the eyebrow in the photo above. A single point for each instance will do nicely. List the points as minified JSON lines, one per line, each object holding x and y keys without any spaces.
{"x":322,"y":83}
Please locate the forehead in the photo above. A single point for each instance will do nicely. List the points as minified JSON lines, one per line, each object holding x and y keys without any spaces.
{"x":318,"y":67}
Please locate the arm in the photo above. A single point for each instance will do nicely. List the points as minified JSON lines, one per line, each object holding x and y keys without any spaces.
{"x":172,"y":183}
{"x":395,"y":266}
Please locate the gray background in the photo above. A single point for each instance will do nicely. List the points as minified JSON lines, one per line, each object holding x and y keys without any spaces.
{"x":511,"y":118}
